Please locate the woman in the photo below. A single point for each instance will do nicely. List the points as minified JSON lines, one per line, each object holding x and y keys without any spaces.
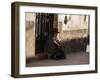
{"x":54,"y":47}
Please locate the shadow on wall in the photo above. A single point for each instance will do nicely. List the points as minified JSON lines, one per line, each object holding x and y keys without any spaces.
{"x":76,"y":45}
{"x":75,"y":40}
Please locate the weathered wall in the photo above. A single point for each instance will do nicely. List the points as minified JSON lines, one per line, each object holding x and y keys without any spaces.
{"x":74,"y":22}
{"x":75,"y":34}
{"x":30,"y":35}
{"x":76,"y":26}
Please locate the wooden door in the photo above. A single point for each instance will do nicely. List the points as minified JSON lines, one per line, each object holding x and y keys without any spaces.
{"x":44,"y":27}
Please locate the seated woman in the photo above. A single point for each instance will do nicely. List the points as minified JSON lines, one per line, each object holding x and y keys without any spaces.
{"x":54,"y":47}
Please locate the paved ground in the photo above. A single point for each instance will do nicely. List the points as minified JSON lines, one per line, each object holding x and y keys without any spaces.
{"x":76,"y":58}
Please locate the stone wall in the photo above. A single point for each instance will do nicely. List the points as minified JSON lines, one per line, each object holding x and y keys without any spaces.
{"x":30,"y":35}
{"x":73,"y":22}
{"x":73,"y":34}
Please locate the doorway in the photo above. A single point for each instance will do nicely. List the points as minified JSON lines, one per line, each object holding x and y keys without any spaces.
{"x":44,"y":27}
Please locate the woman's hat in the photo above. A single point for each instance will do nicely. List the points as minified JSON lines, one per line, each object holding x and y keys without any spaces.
{"x":55,"y":30}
